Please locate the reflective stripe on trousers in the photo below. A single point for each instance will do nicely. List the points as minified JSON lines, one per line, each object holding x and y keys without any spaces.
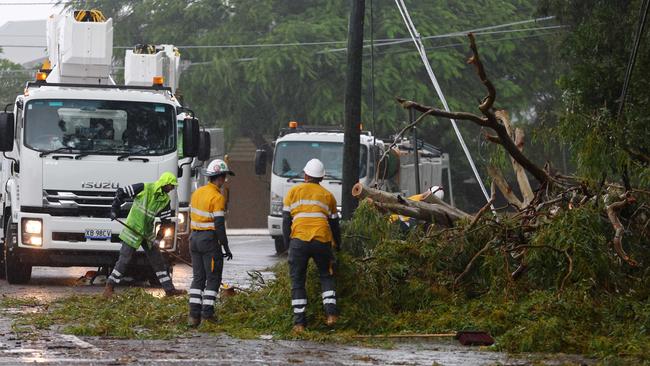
{"x":299,"y":254}
{"x":207,"y":268}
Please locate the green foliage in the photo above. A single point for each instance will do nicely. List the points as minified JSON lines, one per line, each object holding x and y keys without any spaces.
{"x":12,"y":81}
{"x":596,"y":52}
{"x":392,"y":282}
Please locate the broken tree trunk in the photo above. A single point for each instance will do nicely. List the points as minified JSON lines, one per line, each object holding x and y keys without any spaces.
{"x":498,"y":179}
{"x":404,"y":210}
{"x":440,"y":212}
{"x":517,"y":134}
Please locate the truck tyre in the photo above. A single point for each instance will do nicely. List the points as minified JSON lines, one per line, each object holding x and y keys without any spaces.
{"x":280,"y":249}
{"x":3,"y":275}
{"x":16,"y":273}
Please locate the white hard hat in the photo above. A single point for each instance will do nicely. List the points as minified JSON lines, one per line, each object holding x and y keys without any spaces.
{"x":216,"y":167}
{"x":437,"y":191}
{"x":314,"y":168}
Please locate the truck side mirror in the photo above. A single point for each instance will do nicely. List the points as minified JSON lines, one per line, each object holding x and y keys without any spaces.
{"x":260,"y":162}
{"x":191,"y":136}
{"x":6,"y":131}
{"x":204,"y":146}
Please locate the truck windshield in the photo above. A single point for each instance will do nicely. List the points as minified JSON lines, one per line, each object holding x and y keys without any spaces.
{"x":291,"y":157}
{"x":101,"y":126}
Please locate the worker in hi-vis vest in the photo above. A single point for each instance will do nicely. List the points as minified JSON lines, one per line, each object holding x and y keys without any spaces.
{"x":407,"y":222}
{"x":150,"y":200}
{"x":208,"y":223}
{"x":310,"y":227}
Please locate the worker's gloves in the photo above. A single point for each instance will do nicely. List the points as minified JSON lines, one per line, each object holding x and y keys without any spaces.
{"x":113,"y":215}
{"x":228,"y":254}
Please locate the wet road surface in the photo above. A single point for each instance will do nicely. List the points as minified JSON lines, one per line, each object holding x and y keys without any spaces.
{"x":250,"y":253}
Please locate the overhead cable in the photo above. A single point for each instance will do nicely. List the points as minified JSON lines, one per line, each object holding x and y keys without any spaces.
{"x":415,"y":36}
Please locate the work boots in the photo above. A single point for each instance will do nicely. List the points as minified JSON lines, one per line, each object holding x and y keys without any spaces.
{"x":108,"y":290}
{"x":175,"y":292}
{"x":298,"y":329}
{"x":331,"y":320}
{"x":193,"y":322}
{"x":211,"y":319}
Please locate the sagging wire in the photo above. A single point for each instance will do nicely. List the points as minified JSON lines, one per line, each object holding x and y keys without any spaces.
{"x":372,"y":80}
{"x":417,"y":40}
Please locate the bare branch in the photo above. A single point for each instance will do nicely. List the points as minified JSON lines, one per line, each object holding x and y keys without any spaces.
{"x":475,"y":60}
{"x":471,"y":262}
{"x":483,"y":209}
{"x":399,"y":135}
{"x":461,"y":116}
{"x":504,"y":187}
{"x":492,"y":138}
{"x":612,"y":213}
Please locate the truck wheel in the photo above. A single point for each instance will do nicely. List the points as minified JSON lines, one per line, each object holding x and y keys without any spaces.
{"x":3,"y":275}
{"x":16,"y":273}
{"x":279,"y":245}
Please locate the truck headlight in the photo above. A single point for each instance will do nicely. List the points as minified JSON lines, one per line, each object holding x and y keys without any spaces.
{"x":166,"y":243}
{"x":32,"y":230}
{"x":276,"y":205}
{"x":182,"y":222}
{"x":168,"y":237}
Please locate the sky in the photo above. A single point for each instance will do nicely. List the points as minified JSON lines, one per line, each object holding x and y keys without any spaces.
{"x":26,"y":10}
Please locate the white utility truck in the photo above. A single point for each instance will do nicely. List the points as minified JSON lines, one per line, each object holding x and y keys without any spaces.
{"x":71,"y":140}
{"x":297,"y":145}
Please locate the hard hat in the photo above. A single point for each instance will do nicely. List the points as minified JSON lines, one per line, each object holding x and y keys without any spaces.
{"x":216,"y":167}
{"x":437,"y":191}
{"x":314,"y":168}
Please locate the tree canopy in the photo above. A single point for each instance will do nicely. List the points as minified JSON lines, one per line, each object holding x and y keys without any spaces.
{"x":597,"y":51}
{"x":254,"y":90}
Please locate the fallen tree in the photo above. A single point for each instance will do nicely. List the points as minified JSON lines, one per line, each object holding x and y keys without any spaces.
{"x":531,"y":211}
{"x":541,"y":275}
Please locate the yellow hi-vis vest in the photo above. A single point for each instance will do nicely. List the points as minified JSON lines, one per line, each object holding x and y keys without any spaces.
{"x":310,"y":206}
{"x":395,"y":217}
{"x":207,"y":204}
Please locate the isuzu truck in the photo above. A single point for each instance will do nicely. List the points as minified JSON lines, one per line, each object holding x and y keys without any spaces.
{"x":71,"y":139}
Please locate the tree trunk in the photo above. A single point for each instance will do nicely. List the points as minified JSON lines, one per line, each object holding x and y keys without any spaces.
{"x":439,"y":212}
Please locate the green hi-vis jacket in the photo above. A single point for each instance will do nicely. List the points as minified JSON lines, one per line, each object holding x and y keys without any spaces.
{"x":151,"y":201}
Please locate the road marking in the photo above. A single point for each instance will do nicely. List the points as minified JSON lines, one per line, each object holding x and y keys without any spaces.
{"x":78,"y":342}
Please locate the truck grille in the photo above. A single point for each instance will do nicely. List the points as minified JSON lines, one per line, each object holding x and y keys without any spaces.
{"x":82,"y":203}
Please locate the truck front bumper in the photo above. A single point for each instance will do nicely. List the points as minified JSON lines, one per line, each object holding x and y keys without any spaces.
{"x":64,"y":242}
{"x":275,"y":226}
{"x":73,"y":258}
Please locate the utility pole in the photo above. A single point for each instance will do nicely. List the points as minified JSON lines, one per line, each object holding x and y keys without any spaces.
{"x":352,"y":122}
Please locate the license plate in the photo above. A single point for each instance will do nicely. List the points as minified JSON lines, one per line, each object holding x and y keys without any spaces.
{"x":98,"y":233}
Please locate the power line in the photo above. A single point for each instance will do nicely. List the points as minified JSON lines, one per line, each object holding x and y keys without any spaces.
{"x":632,"y":60}
{"x":417,"y":40}
{"x":453,"y":35}
{"x":34,"y":3}
{"x":377,"y":42}
{"x":462,"y":44}
{"x":299,"y":44}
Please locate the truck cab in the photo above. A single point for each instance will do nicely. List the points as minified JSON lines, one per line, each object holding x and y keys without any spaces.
{"x":297,"y":145}
{"x":69,"y":142}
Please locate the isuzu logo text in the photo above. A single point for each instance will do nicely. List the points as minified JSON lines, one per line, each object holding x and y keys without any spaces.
{"x":100,"y":185}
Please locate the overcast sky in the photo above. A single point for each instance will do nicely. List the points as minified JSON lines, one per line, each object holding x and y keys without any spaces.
{"x":25,"y":10}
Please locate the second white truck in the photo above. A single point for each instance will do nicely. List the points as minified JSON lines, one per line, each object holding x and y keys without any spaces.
{"x":296,"y":145}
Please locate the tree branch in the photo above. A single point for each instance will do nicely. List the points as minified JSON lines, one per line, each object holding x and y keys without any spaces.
{"x":504,"y":187}
{"x":399,"y":135}
{"x":483,"y":209}
{"x":612,"y":213}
